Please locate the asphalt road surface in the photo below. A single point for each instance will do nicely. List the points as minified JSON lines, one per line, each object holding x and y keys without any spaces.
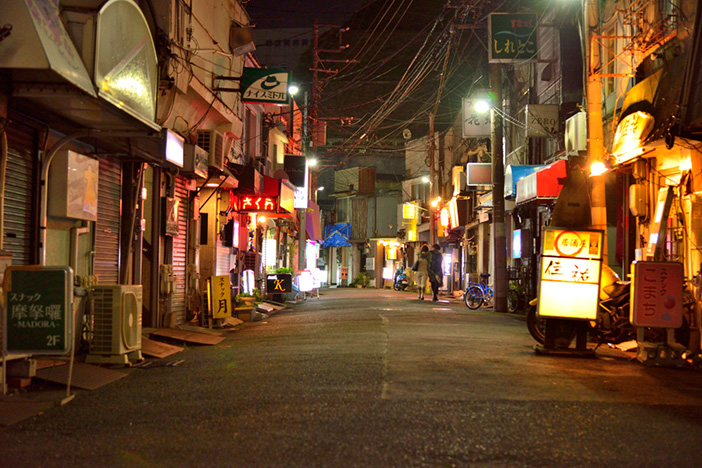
{"x":374,"y":378}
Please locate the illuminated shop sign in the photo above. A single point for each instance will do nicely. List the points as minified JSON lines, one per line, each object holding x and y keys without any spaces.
{"x":256,"y":204}
{"x":570,"y":274}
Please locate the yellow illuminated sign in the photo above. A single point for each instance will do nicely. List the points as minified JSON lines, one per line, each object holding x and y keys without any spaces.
{"x":220,"y":297}
{"x":408,"y":211}
{"x":569,"y":243}
{"x":570,"y":274}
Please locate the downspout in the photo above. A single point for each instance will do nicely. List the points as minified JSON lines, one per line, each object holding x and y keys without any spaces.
{"x":3,"y":166}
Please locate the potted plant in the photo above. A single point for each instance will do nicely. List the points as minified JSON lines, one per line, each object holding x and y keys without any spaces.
{"x":245,"y":300}
{"x":362,"y":280}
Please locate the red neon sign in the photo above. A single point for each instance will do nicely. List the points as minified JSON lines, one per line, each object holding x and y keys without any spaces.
{"x":258,"y":204}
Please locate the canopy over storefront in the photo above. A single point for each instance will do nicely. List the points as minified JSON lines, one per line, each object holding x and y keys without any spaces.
{"x":515,"y":173}
{"x":313,"y":224}
{"x":48,"y":72}
{"x":544,"y":184}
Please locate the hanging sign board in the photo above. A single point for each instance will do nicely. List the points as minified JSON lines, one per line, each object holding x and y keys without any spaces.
{"x":38,"y":316}
{"x":631,"y":132}
{"x":475,"y":124}
{"x":265,"y":85}
{"x":512,"y":37}
{"x":220,"y":297}
{"x":570,"y":274}
{"x":656,"y":294}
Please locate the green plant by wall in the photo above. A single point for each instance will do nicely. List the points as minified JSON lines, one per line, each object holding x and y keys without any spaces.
{"x":362,"y":279}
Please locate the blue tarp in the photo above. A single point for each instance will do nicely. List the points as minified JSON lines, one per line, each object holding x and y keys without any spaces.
{"x":337,"y":235}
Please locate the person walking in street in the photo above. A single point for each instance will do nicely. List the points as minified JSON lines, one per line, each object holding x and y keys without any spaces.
{"x":436,"y":276}
{"x":421,"y":267}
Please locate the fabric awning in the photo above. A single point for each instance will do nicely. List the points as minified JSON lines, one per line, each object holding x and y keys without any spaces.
{"x":544,"y":184}
{"x":313,"y":224}
{"x":515,"y":173}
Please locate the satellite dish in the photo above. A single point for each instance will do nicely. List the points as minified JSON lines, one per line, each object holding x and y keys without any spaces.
{"x":406,"y":134}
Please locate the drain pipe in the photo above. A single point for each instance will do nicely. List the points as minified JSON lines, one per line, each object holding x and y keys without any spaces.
{"x":44,"y":183}
{"x":3,"y":166}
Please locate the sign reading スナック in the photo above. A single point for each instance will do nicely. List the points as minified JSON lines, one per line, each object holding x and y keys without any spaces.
{"x":38,"y":315}
{"x":657,"y":289}
{"x":571,"y":265}
{"x":220,"y":297}
{"x":279,"y":283}
{"x":512,"y":37}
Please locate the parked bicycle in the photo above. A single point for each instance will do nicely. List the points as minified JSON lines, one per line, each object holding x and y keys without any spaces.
{"x":516,"y":298}
{"x":478,"y":294}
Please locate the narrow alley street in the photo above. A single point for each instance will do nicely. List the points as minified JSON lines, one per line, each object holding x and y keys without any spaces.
{"x":374,"y":378}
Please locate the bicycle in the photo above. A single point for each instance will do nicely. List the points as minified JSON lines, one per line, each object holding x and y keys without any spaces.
{"x":516,"y":298}
{"x":477,"y":294}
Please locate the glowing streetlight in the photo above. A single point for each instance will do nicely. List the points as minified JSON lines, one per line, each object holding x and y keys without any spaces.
{"x":293,"y":89}
{"x":597,"y":168}
{"x":481,"y":106}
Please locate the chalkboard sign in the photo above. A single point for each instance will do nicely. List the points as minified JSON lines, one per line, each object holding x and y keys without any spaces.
{"x":38,"y":314}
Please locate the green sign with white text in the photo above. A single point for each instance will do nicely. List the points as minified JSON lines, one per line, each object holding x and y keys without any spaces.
{"x":265,"y":85}
{"x":38,"y":309}
{"x":512,"y":37}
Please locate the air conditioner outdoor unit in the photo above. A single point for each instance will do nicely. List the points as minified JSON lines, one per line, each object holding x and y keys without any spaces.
{"x":116,"y":324}
{"x":576,"y":134}
{"x":214,"y":143}
{"x":458,"y":176}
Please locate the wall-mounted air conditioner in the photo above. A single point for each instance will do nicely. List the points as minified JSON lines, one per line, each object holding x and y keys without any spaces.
{"x":576,"y":134}
{"x":116,"y":335}
{"x":214,"y":143}
{"x":458,"y":177}
{"x":195,"y":161}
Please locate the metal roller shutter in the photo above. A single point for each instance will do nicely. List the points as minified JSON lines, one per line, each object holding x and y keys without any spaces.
{"x":222,"y":261}
{"x":19,"y":194}
{"x":106,"y":259}
{"x":180,"y":251}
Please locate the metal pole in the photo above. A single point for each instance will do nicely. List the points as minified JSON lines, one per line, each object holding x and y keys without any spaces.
{"x":498,"y":196}
{"x":595,"y":138}
{"x":302,"y":211}
{"x":432,"y":173}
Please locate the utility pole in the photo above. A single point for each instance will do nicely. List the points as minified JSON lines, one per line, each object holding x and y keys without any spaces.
{"x":595,"y":141}
{"x":432,"y":173}
{"x":303,"y":211}
{"x":498,"y":193}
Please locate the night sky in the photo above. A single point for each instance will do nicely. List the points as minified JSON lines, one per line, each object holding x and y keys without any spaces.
{"x":300,"y":13}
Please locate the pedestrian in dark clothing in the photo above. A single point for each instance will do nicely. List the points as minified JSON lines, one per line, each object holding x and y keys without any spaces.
{"x":436,"y":276}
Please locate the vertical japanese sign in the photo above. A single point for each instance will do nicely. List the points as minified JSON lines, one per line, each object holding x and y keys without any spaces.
{"x":571,"y":265}
{"x":38,"y":314}
{"x":656,"y":294}
{"x":220,"y":297}
{"x":512,"y":37}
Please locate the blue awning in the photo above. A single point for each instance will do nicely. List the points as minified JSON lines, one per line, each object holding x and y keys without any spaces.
{"x":337,"y":235}
{"x":513,"y":174}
